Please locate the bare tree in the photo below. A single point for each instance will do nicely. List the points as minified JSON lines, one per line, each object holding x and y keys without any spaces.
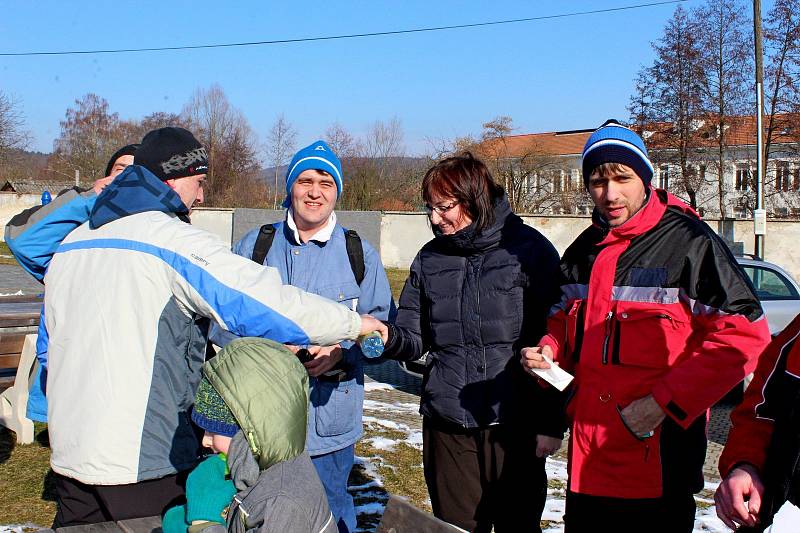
{"x":534,"y":180}
{"x":378,"y":174}
{"x":726,"y":63}
{"x":281,"y":145}
{"x":89,"y":134}
{"x":672,"y":106}
{"x":343,"y":144}
{"x":782,"y":74}
{"x":230,"y":142}
{"x":13,"y":135}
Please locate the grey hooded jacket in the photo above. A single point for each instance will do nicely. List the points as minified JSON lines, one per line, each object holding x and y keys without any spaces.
{"x":266,"y":388}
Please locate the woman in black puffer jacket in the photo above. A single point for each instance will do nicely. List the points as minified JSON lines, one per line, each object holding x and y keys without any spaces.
{"x":476,"y":294}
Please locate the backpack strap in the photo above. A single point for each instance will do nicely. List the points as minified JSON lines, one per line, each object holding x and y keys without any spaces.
{"x":355,"y":253}
{"x":263,"y":243}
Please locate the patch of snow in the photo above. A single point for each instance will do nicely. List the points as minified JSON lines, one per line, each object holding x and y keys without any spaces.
{"x":19,"y":528}
{"x":371,"y":508}
{"x":377,"y":385}
{"x":381,"y":443}
{"x":365,"y":486}
{"x":553,"y":510}
{"x":373,"y":405}
{"x":387,"y":423}
{"x":415,"y":439}
{"x":706,"y":520}
{"x":18,"y":293}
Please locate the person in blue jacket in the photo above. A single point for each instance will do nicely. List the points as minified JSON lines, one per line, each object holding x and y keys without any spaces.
{"x":309,"y":249}
{"x":37,"y":401}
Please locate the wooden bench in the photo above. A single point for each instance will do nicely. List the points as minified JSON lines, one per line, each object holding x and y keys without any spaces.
{"x":398,"y":517}
{"x":19,"y":317}
{"x":17,"y":351}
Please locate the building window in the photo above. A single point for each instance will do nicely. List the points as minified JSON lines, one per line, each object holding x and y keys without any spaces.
{"x":743,"y":177}
{"x":783,"y":181}
{"x":557,"y":181}
{"x":702,"y":171}
{"x":796,"y":179}
{"x":663,"y":177}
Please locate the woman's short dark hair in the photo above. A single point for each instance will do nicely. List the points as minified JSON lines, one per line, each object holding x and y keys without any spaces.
{"x":465,"y":178}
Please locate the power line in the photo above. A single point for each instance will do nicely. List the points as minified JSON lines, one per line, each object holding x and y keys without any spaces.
{"x":348,"y":36}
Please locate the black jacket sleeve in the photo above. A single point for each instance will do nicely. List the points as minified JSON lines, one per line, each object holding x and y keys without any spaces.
{"x":405,"y":336}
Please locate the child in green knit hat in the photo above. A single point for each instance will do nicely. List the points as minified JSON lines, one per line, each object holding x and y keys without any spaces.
{"x":252,"y":403}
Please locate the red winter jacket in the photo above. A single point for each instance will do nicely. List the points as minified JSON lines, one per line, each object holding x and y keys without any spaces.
{"x":655,"y":306}
{"x":765,"y":428}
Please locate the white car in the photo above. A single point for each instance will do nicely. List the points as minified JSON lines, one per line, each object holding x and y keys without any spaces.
{"x":778,"y":292}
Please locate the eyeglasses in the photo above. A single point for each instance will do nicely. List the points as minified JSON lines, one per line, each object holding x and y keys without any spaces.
{"x":440,"y":209}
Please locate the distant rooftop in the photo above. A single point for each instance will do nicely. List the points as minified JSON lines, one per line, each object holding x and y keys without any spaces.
{"x":740,"y":131}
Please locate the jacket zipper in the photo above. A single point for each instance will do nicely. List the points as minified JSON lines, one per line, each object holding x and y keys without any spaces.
{"x":478,"y":298}
{"x":609,"y":316}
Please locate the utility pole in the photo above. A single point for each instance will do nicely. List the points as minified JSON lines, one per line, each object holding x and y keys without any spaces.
{"x":760,"y":214}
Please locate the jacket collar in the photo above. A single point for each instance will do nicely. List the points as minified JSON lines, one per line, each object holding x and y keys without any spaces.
{"x":470,"y":240}
{"x":645,"y":219}
{"x":135,"y":190}
{"x":322,"y":236}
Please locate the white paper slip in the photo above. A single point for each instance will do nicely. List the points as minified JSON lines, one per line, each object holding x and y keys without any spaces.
{"x":786,"y":520}
{"x":555,"y":375}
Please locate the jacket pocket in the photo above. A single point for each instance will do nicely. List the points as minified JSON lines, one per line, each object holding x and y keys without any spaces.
{"x":335,"y":406}
{"x":346,"y":293}
{"x":650,"y":337}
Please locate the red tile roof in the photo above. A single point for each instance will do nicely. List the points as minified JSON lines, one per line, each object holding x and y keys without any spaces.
{"x":741,"y":131}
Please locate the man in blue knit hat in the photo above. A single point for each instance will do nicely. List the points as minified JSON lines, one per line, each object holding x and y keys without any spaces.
{"x":656,"y":322}
{"x":312,"y":251}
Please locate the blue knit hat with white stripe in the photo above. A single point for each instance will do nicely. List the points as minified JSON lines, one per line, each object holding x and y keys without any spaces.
{"x":315,"y":156}
{"x":614,"y":143}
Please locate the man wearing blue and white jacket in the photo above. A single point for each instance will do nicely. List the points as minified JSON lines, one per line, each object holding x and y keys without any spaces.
{"x":129,"y":294}
{"x":309,"y":249}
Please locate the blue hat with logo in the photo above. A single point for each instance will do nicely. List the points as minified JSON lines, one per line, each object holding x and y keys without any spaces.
{"x":614,"y":143}
{"x":315,"y":156}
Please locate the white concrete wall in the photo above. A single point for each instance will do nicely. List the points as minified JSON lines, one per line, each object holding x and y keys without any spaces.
{"x":402,"y":235}
{"x":781,"y":244}
{"x":560,"y":229}
{"x":12,"y":203}
{"x":216,"y":220}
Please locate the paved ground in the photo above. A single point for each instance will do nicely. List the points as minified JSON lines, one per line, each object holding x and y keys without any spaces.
{"x":408,"y":389}
{"x":13,"y":279}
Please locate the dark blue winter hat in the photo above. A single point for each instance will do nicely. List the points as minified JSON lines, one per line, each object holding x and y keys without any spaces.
{"x":614,"y":143}
{"x":316,"y":156}
{"x":211,"y":413}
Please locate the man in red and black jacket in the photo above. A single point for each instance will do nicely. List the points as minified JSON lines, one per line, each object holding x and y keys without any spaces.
{"x":657,"y":322}
{"x":761,"y":461}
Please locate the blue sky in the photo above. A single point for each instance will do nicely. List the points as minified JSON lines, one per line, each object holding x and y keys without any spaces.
{"x":547,"y":75}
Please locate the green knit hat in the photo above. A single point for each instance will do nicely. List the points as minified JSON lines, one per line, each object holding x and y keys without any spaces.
{"x":211,"y":413}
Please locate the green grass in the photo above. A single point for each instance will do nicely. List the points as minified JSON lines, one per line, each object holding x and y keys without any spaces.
{"x":397,"y":277}
{"x":5,"y":255}
{"x":26,"y":481}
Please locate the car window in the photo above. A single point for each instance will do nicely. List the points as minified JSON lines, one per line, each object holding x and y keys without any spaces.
{"x":770,"y":285}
